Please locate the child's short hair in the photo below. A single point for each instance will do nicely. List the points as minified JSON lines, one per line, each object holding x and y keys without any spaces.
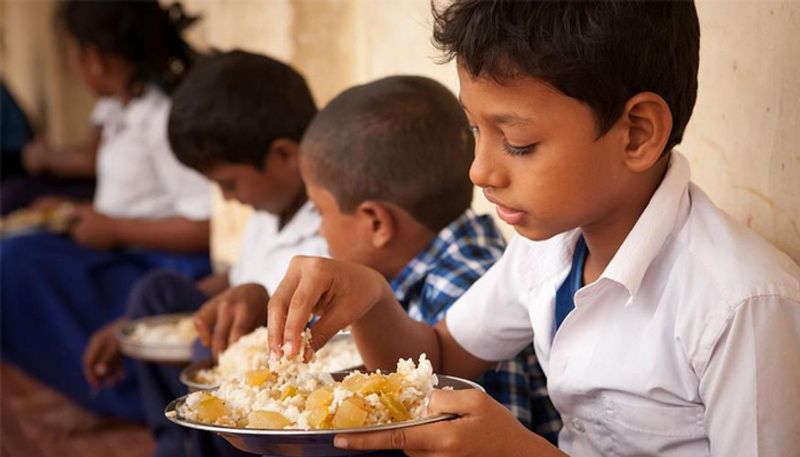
{"x":142,"y":33}
{"x":404,"y":140}
{"x":233,"y":106}
{"x":598,"y":52}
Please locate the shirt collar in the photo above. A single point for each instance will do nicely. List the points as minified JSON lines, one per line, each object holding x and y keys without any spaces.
{"x":666,"y":211}
{"x":303,"y":225}
{"x":138,"y":110}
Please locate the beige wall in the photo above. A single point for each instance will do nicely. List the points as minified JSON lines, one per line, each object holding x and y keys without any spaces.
{"x":744,"y":138}
{"x":35,"y":68}
{"x":742,"y":141}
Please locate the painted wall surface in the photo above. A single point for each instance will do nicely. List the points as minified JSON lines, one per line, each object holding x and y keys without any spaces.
{"x":744,"y":137}
{"x":34,"y":65}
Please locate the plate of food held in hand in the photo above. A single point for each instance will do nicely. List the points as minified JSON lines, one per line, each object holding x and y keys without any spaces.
{"x":293,"y":408}
{"x":168,"y":338}
{"x":250,"y":353}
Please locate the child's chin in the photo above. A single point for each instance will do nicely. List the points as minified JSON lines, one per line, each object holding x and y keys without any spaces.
{"x":535,"y":233}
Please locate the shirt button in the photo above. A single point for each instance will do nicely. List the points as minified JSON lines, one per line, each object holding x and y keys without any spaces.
{"x":578,"y":425}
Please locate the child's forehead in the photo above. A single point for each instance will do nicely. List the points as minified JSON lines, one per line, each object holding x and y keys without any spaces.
{"x":509,"y":100}
{"x":225,"y":169}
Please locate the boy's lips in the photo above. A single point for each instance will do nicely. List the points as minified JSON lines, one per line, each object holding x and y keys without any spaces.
{"x":509,"y":215}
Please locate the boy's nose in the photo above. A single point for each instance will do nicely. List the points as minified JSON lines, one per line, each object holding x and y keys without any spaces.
{"x":484,"y":171}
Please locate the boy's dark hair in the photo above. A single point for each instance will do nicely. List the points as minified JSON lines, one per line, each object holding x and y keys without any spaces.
{"x":598,"y":52}
{"x":140,"y":32}
{"x":232,"y":106}
{"x":404,"y":140}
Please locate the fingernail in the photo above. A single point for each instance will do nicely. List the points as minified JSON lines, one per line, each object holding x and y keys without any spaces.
{"x":340,"y":442}
{"x":290,"y":348}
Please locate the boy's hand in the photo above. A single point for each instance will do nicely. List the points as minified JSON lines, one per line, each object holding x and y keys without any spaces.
{"x":213,"y":284}
{"x":338,"y":292}
{"x":484,"y":428}
{"x":49,"y":202}
{"x":233,"y":313}
{"x":102,"y":359}
{"x":93,"y":229}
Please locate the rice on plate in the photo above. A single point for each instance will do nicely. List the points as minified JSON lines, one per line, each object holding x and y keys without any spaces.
{"x":181,"y":331}
{"x":249,"y":353}
{"x":291,"y":394}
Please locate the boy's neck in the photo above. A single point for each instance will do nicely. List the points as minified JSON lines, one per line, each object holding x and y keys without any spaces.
{"x":604,"y":238}
{"x":286,"y":216}
{"x":411,"y":239}
{"x":128,"y":91}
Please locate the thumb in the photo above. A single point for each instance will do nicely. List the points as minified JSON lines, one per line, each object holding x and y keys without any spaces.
{"x":459,"y":402}
{"x":326,"y":328}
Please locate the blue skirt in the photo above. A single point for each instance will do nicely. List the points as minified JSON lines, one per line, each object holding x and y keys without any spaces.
{"x":54,"y":293}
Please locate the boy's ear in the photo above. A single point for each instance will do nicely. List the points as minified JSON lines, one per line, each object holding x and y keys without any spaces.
{"x":96,"y":62}
{"x":382,"y":224}
{"x":283,"y":151}
{"x":648,"y":122}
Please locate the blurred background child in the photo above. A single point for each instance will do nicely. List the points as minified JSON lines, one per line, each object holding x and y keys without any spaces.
{"x":148,"y":211}
{"x":117,"y":51}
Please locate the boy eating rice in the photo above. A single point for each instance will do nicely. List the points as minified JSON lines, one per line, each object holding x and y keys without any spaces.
{"x":656,"y":338}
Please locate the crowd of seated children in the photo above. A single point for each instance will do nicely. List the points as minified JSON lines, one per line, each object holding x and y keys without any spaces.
{"x":148,"y":210}
{"x":255,"y":111}
{"x":622,"y":284}
{"x":656,"y":337}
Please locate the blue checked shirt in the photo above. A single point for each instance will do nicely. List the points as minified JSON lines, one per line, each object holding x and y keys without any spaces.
{"x":432,"y":281}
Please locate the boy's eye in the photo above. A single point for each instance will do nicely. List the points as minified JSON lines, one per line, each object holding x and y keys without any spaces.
{"x":518,"y":150}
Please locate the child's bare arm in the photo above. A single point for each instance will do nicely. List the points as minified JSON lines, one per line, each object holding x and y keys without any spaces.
{"x":76,"y":162}
{"x":343,"y":293}
{"x":102,"y":359}
{"x":175,"y":234}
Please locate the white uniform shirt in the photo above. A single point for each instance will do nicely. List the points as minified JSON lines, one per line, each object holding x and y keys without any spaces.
{"x":687,"y":345}
{"x":266,"y":251}
{"x":137,"y":174}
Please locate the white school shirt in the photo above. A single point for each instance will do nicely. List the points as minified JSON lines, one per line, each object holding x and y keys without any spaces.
{"x":266,"y":251}
{"x":687,"y":345}
{"x":138,"y":176}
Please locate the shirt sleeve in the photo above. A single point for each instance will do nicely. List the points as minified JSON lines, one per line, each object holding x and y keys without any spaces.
{"x":236,"y":275}
{"x":490,"y":320}
{"x":103,"y":111}
{"x":751,"y":385}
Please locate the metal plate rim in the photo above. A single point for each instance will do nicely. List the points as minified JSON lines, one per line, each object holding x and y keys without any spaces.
{"x":149,"y":351}
{"x":191,"y":369}
{"x":171,"y":412}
